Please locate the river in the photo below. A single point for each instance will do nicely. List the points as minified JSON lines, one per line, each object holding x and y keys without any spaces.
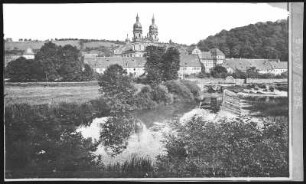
{"x":144,"y":141}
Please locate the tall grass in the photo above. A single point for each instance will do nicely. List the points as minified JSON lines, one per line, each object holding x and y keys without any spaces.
{"x":135,"y":167}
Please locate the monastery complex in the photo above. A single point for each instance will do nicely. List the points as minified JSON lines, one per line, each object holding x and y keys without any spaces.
{"x":131,"y":56}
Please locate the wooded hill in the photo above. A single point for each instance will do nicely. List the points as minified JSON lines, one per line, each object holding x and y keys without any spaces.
{"x":261,"y":40}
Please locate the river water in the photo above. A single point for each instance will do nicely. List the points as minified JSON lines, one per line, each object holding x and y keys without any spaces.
{"x":145,"y":141}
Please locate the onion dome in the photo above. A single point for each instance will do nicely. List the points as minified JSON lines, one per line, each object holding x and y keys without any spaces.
{"x":137,"y":25}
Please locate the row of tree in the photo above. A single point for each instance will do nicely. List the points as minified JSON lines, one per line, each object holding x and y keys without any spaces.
{"x":260,"y":40}
{"x":51,"y":63}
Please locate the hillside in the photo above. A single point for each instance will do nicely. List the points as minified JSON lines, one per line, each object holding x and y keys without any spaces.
{"x":261,"y":40}
{"x":35,"y":45}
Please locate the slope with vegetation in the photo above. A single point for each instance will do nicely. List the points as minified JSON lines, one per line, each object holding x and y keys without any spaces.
{"x":261,"y":40}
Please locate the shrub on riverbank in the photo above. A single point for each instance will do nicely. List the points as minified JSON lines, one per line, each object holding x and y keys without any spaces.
{"x":143,"y":99}
{"x":160,"y":94}
{"x":193,"y":87}
{"x":180,"y":91}
{"x":231,"y":148}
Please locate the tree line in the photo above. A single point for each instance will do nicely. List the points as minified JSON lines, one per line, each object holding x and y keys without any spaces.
{"x":51,"y":63}
{"x":261,"y":40}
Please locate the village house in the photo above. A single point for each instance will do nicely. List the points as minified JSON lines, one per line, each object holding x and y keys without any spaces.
{"x":133,"y":66}
{"x":264,"y":66}
{"x":189,"y":64}
{"x":210,"y":59}
{"x":28,"y":54}
{"x":279,"y":67}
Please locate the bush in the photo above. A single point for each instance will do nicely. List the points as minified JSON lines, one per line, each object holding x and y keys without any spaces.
{"x":229,"y":148}
{"x":143,"y":99}
{"x":193,"y":87}
{"x":181,"y":92}
{"x":160,"y":94}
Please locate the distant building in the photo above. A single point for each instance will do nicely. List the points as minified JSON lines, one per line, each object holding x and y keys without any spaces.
{"x":133,"y":66}
{"x":209,"y":59}
{"x":8,"y":39}
{"x":196,"y":51}
{"x":137,"y":47}
{"x":264,"y":66}
{"x":189,"y":64}
{"x":279,"y":67}
{"x":29,"y":54}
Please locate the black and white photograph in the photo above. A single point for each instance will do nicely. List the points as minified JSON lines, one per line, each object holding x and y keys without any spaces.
{"x":153,"y":91}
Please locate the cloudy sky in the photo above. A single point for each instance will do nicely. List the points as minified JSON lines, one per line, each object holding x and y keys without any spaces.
{"x":185,"y":23}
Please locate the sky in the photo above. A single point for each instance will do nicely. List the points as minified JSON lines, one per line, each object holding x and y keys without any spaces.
{"x":184,"y":23}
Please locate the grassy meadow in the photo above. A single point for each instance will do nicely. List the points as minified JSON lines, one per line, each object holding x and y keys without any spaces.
{"x":35,"y":94}
{"x":51,"y":93}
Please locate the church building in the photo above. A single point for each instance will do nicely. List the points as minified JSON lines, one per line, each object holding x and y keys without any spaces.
{"x":137,"y":47}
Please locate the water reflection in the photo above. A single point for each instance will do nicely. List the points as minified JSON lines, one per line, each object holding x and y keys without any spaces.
{"x":145,"y":143}
{"x":141,"y":134}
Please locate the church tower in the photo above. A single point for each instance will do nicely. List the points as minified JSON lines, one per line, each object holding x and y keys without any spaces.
{"x":153,"y":31}
{"x":137,"y":30}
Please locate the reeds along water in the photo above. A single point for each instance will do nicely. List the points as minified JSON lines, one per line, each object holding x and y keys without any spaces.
{"x":134,"y":167}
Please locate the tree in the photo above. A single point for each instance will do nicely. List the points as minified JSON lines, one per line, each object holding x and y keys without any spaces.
{"x":154,"y":64}
{"x":219,"y":72}
{"x":171,"y":64}
{"x":117,"y":90}
{"x":252,"y":72}
{"x":88,"y":73}
{"x":60,"y":63}
{"x":42,"y":141}
{"x":261,"y":40}
{"x":71,"y":65}
{"x":49,"y":57}
{"x":24,"y":70}
{"x":238,"y":74}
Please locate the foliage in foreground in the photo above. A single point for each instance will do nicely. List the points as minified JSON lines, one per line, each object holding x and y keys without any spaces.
{"x":227,"y":149}
{"x":41,"y":141}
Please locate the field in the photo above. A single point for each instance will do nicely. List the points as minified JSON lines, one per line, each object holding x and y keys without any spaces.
{"x":51,"y":93}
